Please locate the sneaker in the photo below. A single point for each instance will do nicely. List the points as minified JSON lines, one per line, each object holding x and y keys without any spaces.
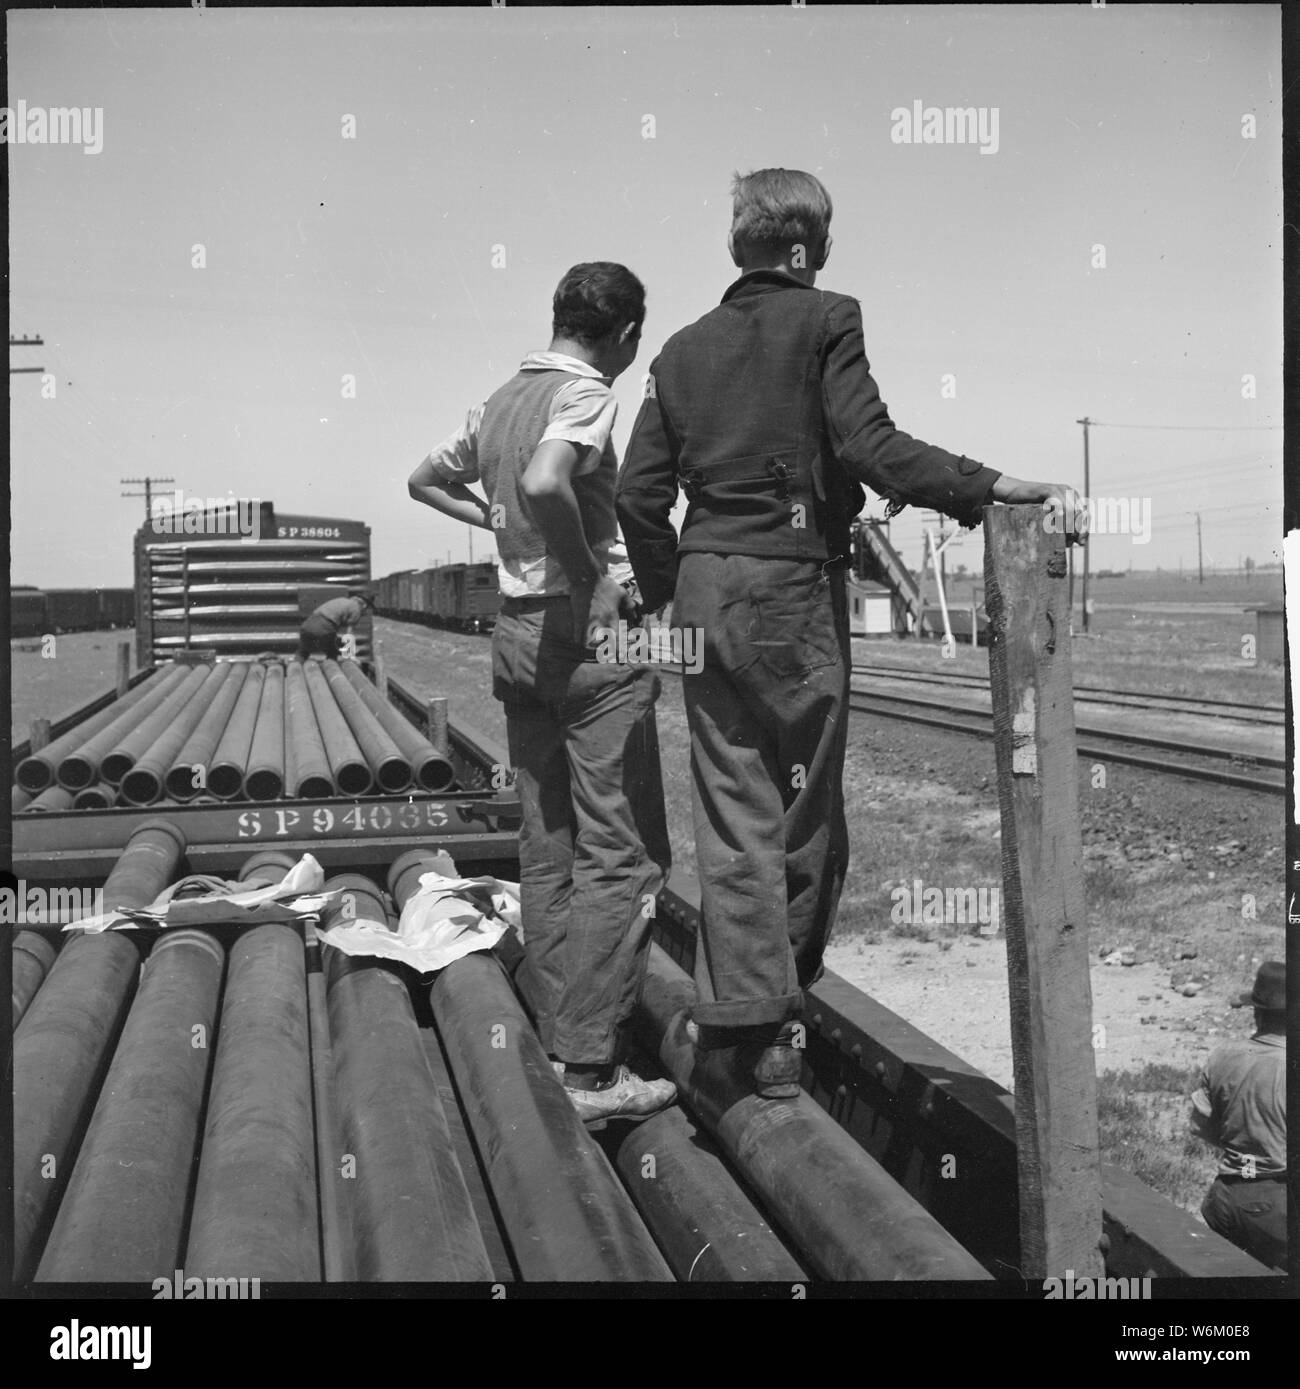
{"x":626,"y":1096}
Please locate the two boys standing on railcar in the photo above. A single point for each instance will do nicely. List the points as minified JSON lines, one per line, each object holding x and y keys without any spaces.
{"x":593,"y":847}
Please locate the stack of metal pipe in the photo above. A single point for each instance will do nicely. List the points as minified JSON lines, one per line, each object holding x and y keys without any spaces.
{"x":252,"y":730}
{"x":254,"y":1104}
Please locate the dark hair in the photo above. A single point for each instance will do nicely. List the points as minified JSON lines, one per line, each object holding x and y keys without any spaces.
{"x":1270,"y":1019}
{"x":773,"y":209}
{"x":595,"y":299}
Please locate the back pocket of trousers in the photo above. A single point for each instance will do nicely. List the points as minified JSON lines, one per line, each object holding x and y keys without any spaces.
{"x":795,"y":629}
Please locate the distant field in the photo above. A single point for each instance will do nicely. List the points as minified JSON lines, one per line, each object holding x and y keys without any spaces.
{"x":83,"y":665}
{"x":1152,"y":587}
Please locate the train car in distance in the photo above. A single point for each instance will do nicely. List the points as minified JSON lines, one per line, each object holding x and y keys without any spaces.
{"x":33,"y":612}
{"x":464,"y":597}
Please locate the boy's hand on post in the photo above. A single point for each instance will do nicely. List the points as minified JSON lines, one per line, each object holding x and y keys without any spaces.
{"x":1066,"y":508}
{"x":596,"y":605}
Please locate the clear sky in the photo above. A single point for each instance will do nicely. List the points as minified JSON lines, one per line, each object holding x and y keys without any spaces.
{"x":525,"y":129}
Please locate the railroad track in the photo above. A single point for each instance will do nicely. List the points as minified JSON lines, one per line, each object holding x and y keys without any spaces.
{"x":1270,"y":715}
{"x":1204,"y":763}
{"x":1092,"y":743}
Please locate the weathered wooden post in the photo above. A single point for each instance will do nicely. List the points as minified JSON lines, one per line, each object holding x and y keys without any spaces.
{"x":1042,"y":875}
{"x":436,"y":720}
{"x":123,"y":668}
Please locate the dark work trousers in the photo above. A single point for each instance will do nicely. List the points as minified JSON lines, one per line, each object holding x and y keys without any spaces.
{"x":1251,"y":1212}
{"x":318,"y":637}
{"x":768,"y":717}
{"x":593,"y":847}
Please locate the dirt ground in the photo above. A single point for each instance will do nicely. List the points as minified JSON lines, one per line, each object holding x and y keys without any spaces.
{"x":959,"y":997}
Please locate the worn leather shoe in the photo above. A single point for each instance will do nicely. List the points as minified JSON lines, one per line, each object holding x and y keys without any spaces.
{"x":626,"y":1096}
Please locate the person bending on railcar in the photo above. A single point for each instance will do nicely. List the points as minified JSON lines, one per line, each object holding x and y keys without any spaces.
{"x":321,"y":632}
{"x":766,"y":413}
{"x":593,"y":849}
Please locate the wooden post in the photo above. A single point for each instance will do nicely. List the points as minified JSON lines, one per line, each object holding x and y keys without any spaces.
{"x":1043,"y":908}
{"x":39,"y":736}
{"x":437,"y":720}
{"x":123,"y":668}
{"x":381,"y":675}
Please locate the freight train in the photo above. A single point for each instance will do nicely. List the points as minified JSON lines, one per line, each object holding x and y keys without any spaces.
{"x":33,"y":611}
{"x":462,"y":596}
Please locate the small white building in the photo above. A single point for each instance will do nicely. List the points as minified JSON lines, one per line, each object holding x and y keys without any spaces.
{"x":871,"y":609}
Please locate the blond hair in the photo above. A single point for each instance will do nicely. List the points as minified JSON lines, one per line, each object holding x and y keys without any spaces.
{"x":775,"y":209}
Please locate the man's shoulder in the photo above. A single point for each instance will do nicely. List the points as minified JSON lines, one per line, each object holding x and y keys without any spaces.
{"x":1243,"y":1049}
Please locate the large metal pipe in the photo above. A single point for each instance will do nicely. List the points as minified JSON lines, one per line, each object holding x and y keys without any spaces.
{"x":18,"y":799}
{"x":122,"y":1218}
{"x":567,"y":1217}
{"x":847,"y":1215}
{"x":255,"y":1212}
{"x":143,"y":784}
{"x":348,"y":765}
{"x":100,"y":797}
{"x":709,"y":1229}
{"x":391,"y":770}
{"x":264,"y":779}
{"x":79,"y":767}
{"x":32,"y":956}
{"x":129,"y":748}
{"x":334,"y":1182}
{"x":432,"y":770}
{"x":148,"y":863}
{"x":40,"y":769}
{"x":266,"y":867}
{"x":471,"y":1164}
{"x":310,"y":778}
{"x":413,"y":1217}
{"x":230,"y":760}
{"x":52,"y":798}
{"x":62,"y":1044}
{"x":202,"y":742}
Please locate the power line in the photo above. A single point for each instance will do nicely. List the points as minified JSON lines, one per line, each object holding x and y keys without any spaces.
{"x":1212,"y":428}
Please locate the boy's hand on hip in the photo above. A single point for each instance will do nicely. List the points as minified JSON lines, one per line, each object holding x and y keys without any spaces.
{"x":594,"y":606}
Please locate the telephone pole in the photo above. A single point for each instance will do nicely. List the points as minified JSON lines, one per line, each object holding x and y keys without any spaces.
{"x":25,"y":342}
{"x":147,"y":494}
{"x":1087,"y":491}
{"x":1200,"y":563}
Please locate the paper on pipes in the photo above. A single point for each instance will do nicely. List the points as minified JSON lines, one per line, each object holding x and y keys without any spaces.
{"x":296,"y":897}
{"x":443,"y":920}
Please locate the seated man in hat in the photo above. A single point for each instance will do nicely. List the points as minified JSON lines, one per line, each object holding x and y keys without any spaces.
{"x":1240,"y":1106}
{"x":320,"y":630}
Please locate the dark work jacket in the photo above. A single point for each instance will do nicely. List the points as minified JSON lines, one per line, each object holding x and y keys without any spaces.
{"x":765,"y":412}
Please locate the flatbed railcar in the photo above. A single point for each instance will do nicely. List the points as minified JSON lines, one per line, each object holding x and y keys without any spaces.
{"x":915,"y":1113}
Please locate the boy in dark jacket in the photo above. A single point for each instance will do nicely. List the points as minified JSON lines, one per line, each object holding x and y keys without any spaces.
{"x":765,"y":412}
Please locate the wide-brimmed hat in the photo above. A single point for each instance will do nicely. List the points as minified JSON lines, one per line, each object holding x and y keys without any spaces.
{"x":1269,"y":992}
